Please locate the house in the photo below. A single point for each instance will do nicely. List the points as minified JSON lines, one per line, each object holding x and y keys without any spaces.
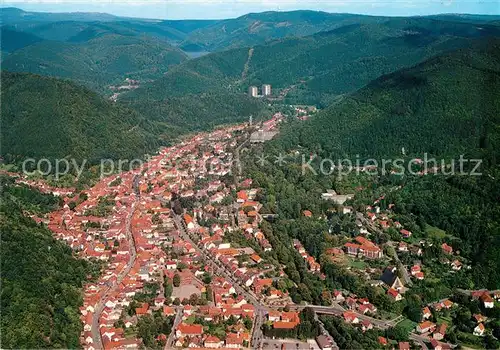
{"x":168,"y":311}
{"x":350,"y":317}
{"x":394,"y":294}
{"x":189,"y":221}
{"x":487,"y":300}
{"x":447,"y":303}
{"x":366,"y":325}
{"x":234,"y":341}
{"x":456,"y":265}
{"x":419,"y":276}
{"x":189,"y":330}
{"x":480,"y":318}
{"x":171,"y":265}
{"x":273,"y":316}
{"x":479,"y":330}
{"x":405,"y":233}
{"x":337,"y":295}
{"x":307,"y":213}
{"x":391,"y":279}
{"x":426,"y":313}
{"x":436,"y":345}
{"x":213,"y":342}
{"x":446,"y":248}
{"x":404,"y":345}
{"x":425,"y":327}
{"x":324,"y":342}
{"x":440,"y":331}
{"x":382,"y":341}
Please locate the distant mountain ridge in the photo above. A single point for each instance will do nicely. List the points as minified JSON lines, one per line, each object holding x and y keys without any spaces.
{"x":321,"y":66}
{"x":97,"y":60}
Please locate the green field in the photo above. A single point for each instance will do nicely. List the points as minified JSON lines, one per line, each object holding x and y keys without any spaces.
{"x":408,"y":325}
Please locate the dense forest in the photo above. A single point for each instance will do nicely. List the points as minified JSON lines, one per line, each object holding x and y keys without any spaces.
{"x":444,"y":106}
{"x":96,"y":63}
{"x":53,"y":118}
{"x":321,"y":66}
{"x":41,"y":280}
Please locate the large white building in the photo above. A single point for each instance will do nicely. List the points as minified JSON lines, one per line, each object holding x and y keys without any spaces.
{"x":266,"y":90}
{"x":253,"y":91}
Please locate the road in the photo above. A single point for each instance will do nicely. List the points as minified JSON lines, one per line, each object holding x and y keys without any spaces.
{"x":402,"y":270}
{"x":178,"y":318}
{"x":260,"y":309}
{"x":96,"y":334}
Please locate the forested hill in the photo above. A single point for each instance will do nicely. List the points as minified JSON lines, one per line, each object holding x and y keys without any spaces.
{"x":323,"y":65}
{"x":447,"y":105}
{"x":48,"y":117}
{"x":257,"y":28}
{"x":67,"y":26}
{"x":95,"y":59}
{"x":41,"y":280}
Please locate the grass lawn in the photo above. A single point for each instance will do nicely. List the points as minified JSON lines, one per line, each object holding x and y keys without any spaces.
{"x":433,"y":231}
{"x":190,"y":319}
{"x":407,"y":325}
{"x":357,"y":264}
{"x":385,"y":315}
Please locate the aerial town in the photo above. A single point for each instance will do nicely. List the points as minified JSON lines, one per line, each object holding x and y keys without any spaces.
{"x":180,"y":243}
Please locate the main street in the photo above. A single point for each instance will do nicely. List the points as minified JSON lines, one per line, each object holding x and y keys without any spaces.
{"x":178,"y":318}
{"x":96,"y":334}
{"x":260,"y":309}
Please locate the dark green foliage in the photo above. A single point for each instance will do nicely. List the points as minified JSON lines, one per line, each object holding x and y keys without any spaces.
{"x":179,"y":115}
{"x":472,"y":219}
{"x":348,"y":337}
{"x":13,"y":40}
{"x":149,"y":327}
{"x":445,"y":106}
{"x":326,"y":64}
{"x":41,"y":281}
{"x":28,"y":199}
{"x":47,"y":117}
{"x":103,"y":60}
{"x":257,"y":28}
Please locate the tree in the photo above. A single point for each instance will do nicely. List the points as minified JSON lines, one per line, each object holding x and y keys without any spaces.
{"x":177,"y":280}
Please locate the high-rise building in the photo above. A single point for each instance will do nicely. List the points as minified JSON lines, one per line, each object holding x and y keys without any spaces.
{"x":266,"y":90}
{"x":253,"y":91}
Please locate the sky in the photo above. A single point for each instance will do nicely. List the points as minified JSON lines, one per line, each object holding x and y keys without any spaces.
{"x":220,"y":9}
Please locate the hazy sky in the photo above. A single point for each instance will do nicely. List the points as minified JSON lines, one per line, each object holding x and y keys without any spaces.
{"x":216,"y":9}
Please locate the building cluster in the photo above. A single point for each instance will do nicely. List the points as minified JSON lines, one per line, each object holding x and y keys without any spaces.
{"x":253,"y":91}
{"x":130,"y":223}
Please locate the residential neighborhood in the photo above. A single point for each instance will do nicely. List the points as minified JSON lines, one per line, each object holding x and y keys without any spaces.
{"x":182,"y":251}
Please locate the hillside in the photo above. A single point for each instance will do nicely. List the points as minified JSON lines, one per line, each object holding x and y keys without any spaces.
{"x":41,"y":280}
{"x":13,"y":40}
{"x":97,"y":62}
{"x":257,"y":28}
{"x":48,"y":117}
{"x":323,"y":65}
{"x":447,"y":105}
